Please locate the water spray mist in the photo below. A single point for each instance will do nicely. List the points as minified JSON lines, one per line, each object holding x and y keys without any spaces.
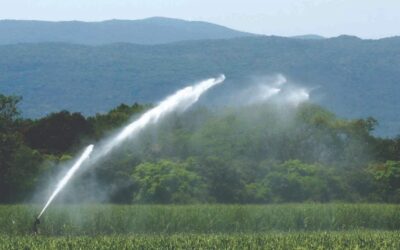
{"x":67,"y":177}
{"x":179,"y":101}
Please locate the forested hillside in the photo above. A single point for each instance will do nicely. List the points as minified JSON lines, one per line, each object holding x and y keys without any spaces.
{"x":352,"y":77}
{"x":155,"y":30}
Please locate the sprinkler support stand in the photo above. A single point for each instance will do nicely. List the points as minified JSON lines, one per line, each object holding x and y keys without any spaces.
{"x":35,"y":227}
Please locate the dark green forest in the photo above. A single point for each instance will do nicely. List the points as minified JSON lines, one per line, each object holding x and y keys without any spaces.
{"x":261,"y":153}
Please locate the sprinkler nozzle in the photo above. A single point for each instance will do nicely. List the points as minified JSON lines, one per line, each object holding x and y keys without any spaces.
{"x":35,"y":227}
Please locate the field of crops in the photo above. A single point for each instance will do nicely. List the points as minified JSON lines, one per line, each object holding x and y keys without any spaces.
{"x":301,"y":226}
{"x":316,"y":240}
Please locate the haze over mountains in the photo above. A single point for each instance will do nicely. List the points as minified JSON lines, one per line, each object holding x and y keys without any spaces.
{"x":352,"y":77}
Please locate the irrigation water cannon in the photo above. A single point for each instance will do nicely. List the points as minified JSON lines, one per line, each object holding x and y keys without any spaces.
{"x":35,"y":226}
{"x":181,"y":100}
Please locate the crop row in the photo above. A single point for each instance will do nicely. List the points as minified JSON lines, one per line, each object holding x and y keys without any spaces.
{"x":204,"y":219}
{"x":303,"y":240}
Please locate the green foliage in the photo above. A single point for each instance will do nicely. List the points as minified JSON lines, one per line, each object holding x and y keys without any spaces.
{"x":167,"y":182}
{"x":18,"y":163}
{"x":223,"y":181}
{"x":296,"y":181}
{"x":253,"y":154}
{"x":104,"y":123}
{"x":57,"y":132}
{"x":388,"y":176}
{"x":19,"y":175}
{"x":22,"y":179}
{"x":387,"y":149}
{"x":8,"y":111}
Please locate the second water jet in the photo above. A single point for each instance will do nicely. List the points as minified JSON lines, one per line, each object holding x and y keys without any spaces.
{"x":179,"y":101}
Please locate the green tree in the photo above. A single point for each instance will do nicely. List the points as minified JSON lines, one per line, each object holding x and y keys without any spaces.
{"x":104,"y":123}
{"x":388,"y":177}
{"x":295,"y":181}
{"x":18,"y":163}
{"x":167,"y":182}
{"x":8,"y":112}
{"x":224,"y":181}
{"x":57,"y":132}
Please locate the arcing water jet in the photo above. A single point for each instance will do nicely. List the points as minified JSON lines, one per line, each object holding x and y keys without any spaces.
{"x":68,"y":176}
{"x":179,"y":101}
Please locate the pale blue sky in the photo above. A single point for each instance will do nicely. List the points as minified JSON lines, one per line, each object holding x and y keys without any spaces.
{"x":364,"y":18}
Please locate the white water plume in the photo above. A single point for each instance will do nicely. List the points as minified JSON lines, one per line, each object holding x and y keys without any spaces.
{"x":68,"y":176}
{"x":179,"y":101}
{"x":264,"y":91}
{"x":280,"y":80}
{"x":277,"y":90}
{"x":297,"y":96}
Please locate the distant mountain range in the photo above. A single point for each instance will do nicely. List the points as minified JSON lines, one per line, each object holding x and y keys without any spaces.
{"x":352,"y":77}
{"x":154,"y":30}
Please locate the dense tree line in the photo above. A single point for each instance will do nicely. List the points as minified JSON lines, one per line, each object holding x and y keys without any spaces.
{"x":255,"y":154}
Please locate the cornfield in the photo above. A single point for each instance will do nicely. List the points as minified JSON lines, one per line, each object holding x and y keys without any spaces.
{"x":302,"y":240}
{"x":288,"y":226}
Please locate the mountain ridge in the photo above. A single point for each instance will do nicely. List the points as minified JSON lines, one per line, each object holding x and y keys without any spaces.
{"x":155,"y":30}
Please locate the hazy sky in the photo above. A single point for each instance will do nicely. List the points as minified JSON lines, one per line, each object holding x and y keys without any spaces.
{"x":364,"y":18}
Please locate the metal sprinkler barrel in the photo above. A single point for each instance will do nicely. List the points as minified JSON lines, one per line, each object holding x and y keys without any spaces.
{"x":35,"y":227}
